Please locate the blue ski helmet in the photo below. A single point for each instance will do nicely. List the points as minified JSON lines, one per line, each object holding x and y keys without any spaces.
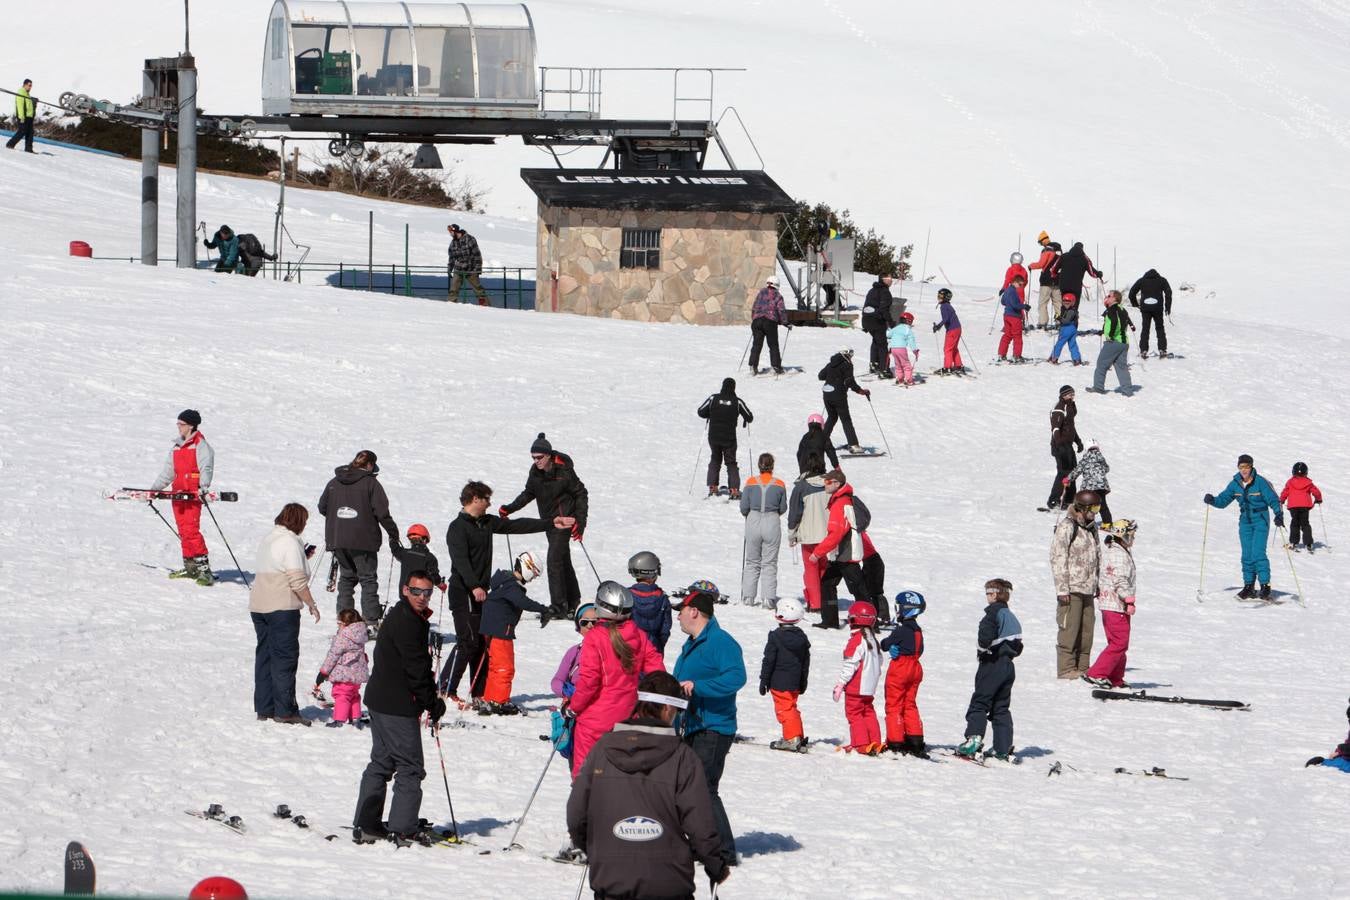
{"x":910,"y":604}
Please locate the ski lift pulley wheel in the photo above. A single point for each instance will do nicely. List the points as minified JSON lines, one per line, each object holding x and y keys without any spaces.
{"x":356,"y":149}
{"x":337,"y":147}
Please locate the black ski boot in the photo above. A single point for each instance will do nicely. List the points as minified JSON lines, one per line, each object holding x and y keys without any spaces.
{"x":915,"y":747}
{"x":1265,"y":592}
{"x":1248,"y":591}
{"x":898,"y":747}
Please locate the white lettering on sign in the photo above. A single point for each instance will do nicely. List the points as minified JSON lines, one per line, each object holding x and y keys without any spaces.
{"x":716,"y":181}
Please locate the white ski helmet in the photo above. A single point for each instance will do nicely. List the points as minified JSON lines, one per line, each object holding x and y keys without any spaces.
{"x":1015,"y":259}
{"x":789,"y":610}
{"x":1122,"y":528}
{"x":527,"y":567}
{"x":613,"y":601}
{"x":772,"y":279}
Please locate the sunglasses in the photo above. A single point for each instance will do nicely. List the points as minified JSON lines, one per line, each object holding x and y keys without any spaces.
{"x":420,"y":592}
{"x":586,"y":623}
{"x":537,"y":457}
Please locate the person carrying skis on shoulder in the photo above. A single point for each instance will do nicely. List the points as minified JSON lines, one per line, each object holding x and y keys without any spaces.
{"x":815,"y":441}
{"x":1014,"y":313}
{"x":951,"y":345}
{"x":651,"y":606}
{"x":1300,"y":495}
{"x":766,"y":314}
{"x":1255,"y":498}
{"x":1068,"y":332}
{"x":784,"y":670}
{"x":902,"y":343}
{"x":417,"y":555}
{"x":904,"y":645}
{"x":724,"y":411}
{"x":808,"y":524}
{"x":1090,"y":475}
{"x":858,"y":679}
{"x":1152,"y":296}
{"x":1074,"y":560}
{"x":1115,"y":598}
{"x":1116,"y":326}
{"x":189,"y":469}
{"x":1070,"y":270}
{"x":558,"y":491}
{"x":876,"y":319}
{"x":999,"y":642}
{"x":347,"y":667}
{"x":1050,"y":297}
{"x":506,"y":600}
{"x":1063,"y":438}
{"x":1340,"y":757}
{"x":838,"y":377}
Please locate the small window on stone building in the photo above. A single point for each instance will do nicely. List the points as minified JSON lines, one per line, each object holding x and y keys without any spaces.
{"x":641,"y":249}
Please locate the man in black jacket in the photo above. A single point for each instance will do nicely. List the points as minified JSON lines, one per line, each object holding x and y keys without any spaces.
{"x":839,"y":380}
{"x":401,"y":688}
{"x":355,"y":508}
{"x":557,"y":490}
{"x":1152,"y":296}
{"x":724,"y":410}
{"x":1063,"y":439}
{"x":469,"y":540}
{"x":465,"y":264}
{"x":1071,"y":269}
{"x":876,"y":319}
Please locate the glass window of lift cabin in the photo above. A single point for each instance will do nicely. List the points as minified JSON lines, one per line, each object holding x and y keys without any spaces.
{"x":445,"y":59}
{"x":384,"y":62}
{"x":323,"y":59}
{"x":505,"y":67}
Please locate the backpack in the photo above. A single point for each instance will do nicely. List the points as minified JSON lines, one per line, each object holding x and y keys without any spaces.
{"x":862,"y":516}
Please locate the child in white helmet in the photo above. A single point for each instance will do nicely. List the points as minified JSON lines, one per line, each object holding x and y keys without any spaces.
{"x":506,"y":600}
{"x":787,"y":662}
{"x":1115,"y":598}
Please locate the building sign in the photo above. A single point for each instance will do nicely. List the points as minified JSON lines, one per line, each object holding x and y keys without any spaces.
{"x":695,"y":191}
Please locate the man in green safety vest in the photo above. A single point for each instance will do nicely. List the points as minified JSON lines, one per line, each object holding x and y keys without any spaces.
{"x":24,"y":109}
{"x":1116,"y":326}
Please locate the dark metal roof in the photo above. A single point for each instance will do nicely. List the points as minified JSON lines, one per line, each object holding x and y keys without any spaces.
{"x":667,"y":189}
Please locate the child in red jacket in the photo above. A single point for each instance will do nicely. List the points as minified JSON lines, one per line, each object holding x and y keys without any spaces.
{"x":904,"y":728}
{"x":858,"y":680}
{"x":1300,"y":495}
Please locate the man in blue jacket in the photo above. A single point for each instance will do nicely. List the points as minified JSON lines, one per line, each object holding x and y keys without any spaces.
{"x":710,"y":670}
{"x":1256,"y":498}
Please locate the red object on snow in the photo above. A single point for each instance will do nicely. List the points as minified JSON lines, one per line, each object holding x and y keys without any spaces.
{"x":218,"y":887}
{"x":80,"y":248}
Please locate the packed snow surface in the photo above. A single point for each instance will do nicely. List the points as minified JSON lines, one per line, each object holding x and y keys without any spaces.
{"x":130,"y":695}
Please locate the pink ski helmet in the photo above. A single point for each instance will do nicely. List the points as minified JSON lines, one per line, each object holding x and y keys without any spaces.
{"x":815,"y":419}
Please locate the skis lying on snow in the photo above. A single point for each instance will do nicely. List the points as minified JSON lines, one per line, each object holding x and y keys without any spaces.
{"x":745,"y":740}
{"x":866,"y":452}
{"x":284,"y":812}
{"x":1101,"y":694}
{"x":1154,"y":772}
{"x":143,"y":494}
{"x":79,"y":871}
{"x":216,"y":813}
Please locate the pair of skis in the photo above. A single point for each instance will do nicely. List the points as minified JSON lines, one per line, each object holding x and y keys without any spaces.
{"x":145,"y":495}
{"x":1102,"y":694}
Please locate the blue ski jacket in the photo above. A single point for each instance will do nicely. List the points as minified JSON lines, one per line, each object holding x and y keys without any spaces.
{"x":1255,"y":500}
{"x":714,"y":663}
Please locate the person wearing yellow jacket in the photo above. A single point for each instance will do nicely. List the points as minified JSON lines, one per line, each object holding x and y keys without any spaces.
{"x":24,"y":112}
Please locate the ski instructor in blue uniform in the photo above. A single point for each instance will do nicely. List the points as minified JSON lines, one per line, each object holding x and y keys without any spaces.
{"x":1256,"y":498}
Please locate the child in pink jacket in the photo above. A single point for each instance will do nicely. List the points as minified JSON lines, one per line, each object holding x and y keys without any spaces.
{"x":858,"y":680}
{"x":347,"y":667}
{"x":615,"y":654}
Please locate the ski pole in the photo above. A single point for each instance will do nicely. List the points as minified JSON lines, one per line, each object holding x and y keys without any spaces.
{"x":156,"y":511}
{"x":1323,"y":516}
{"x":440,"y":635}
{"x":740,"y":365}
{"x":242,"y":574}
{"x":1292,"y":571}
{"x":509,"y":552}
{"x":588,"y":560}
{"x":1204,"y":538}
{"x":877,"y":419}
{"x":389,"y":581}
{"x":782,"y":351}
{"x":511,"y":845}
{"x":581,"y":885}
{"x":317,"y":567}
{"x":436,"y":733}
{"x":971,"y":355}
{"x":698,"y":452}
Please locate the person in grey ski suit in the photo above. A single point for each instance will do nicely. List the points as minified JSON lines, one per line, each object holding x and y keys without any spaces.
{"x":763,"y":502}
{"x":1090,"y":475}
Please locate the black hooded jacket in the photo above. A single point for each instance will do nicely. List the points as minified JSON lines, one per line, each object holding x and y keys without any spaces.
{"x":787,"y":660}
{"x":559,"y":492}
{"x":723,"y":410}
{"x":816,"y":441}
{"x":838,"y":377}
{"x":878,"y":301}
{"x":469,"y":541}
{"x":401,"y":683}
{"x":1152,"y":293}
{"x":1072,"y":268}
{"x":355,"y":508}
{"x":641,"y":810}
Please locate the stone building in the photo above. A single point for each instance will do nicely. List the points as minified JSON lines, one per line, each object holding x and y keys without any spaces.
{"x":664,"y":246}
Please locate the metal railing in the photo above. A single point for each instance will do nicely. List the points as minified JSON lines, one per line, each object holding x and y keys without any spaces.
{"x":576,"y":89}
{"x":506,"y":287}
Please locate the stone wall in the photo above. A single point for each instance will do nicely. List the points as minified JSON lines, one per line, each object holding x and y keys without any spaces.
{"x":712,"y":264}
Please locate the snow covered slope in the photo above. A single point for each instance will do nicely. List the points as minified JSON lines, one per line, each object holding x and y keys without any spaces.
{"x":1204,"y":139}
{"x":129,"y":695}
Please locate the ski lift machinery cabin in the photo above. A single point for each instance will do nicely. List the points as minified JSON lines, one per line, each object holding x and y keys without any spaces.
{"x":333,"y":57}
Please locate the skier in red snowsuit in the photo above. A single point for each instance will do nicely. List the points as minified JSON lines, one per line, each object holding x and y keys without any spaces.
{"x":189,"y":468}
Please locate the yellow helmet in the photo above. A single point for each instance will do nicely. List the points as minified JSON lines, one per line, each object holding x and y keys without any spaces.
{"x":1042,"y":237}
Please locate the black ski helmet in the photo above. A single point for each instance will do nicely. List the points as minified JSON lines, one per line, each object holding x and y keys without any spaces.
{"x":1301,"y":469}
{"x":944,"y":294}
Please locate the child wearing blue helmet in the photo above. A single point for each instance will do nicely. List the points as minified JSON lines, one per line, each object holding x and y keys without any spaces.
{"x":904,"y":728}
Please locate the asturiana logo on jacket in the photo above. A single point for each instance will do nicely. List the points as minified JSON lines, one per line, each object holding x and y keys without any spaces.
{"x":638,"y":828}
{"x":346,"y":512}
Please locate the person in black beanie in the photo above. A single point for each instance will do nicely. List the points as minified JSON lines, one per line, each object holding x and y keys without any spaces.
{"x":724,"y":410}
{"x":554,"y":485}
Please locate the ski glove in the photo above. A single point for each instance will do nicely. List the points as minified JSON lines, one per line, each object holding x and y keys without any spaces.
{"x":320,"y":678}
{"x":763,"y":689}
{"x":1078,"y":443}
{"x":1279,"y":520}
{"x":838,"y":692}
{"x":1315,"y":761}
{"x":866,"y":393}
{"x":936,"y":326}
{"x":503,"y":512}
{"x":544,"y":618}
{"x":1209,"y":499}
{"x":576,"y":532}
{"x":895,"y":651}
{"x":437,"y":710}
